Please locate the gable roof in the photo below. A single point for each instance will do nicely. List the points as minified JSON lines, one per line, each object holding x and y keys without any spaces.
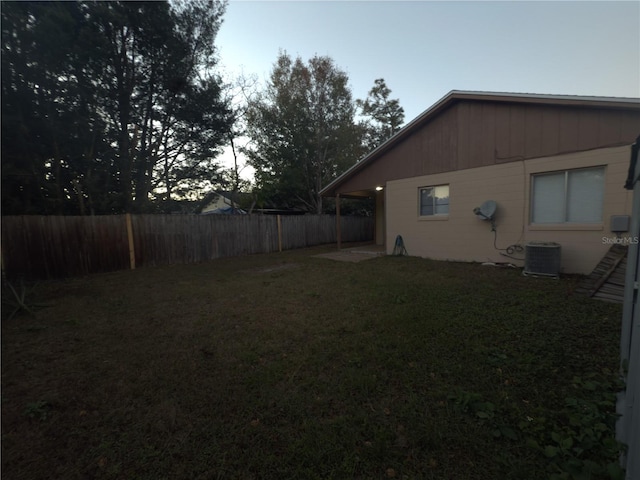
{"x":239,"y":198}
{"x":456,"y":95}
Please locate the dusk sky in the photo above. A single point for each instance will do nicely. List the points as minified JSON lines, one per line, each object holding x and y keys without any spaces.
{"x":425,"y":49}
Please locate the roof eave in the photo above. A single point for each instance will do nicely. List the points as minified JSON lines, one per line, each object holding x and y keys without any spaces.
{"x":388,"y":143}
{"x":569,"y":100}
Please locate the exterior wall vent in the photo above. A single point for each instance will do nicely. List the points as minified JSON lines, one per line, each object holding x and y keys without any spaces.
{"x":542,"y":258}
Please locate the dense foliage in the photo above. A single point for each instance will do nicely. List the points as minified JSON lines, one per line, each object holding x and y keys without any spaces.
{"x":305,"y":129}
{"x":383,"y":116}
{"x":109,"y":107}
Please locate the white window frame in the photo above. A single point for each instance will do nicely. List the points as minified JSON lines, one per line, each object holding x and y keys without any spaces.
{"x":434,"y":206}
{"x":565,"y":205}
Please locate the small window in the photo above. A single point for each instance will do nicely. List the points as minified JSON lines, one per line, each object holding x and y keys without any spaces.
{"x":572,"y":196}
{"x":434,"y":200}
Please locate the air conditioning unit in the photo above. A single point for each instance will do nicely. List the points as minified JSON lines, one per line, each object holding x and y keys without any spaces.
{"x":542,"y":258}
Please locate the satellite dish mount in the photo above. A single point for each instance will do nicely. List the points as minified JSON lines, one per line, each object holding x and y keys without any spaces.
{"x":487,"y":211}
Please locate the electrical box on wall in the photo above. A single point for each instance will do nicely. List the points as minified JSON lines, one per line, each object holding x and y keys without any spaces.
{"x":620,"y":223}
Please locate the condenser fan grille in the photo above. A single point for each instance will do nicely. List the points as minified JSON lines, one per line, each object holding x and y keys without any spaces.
{"x":542,"y":259}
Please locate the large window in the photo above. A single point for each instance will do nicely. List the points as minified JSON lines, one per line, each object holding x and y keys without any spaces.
{"x":434,"y":200}
{"x":572,"y":196}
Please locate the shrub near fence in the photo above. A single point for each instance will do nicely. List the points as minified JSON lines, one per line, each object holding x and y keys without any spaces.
{"x":40,"y":247}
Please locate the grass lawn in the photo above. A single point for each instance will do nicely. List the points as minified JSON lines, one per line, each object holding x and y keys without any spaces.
{"x":286,"y":366}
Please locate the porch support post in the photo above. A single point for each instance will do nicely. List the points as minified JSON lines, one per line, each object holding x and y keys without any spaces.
{"x":338,"y":232}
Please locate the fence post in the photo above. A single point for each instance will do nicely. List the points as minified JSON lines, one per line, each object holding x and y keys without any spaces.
{"x":279,"y":220}
{"x":2,"y":263}
{"x":338,"y":229}
{"x":132,"y":249}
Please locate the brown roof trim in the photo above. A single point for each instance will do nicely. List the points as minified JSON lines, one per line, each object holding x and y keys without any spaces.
{"x":549,"y":99}
{"x":454,"y":95}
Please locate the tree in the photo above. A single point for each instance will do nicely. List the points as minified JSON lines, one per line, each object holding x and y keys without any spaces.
{"x":303,"y":131}
{"x":46,"y":122}
{"x":110,"y":106}
{"x":384,"y":116}
{"x":240,"y":94}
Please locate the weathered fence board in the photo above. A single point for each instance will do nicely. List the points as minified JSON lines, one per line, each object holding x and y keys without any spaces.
{"x":52,"y":247}
{"x":39,"y":247}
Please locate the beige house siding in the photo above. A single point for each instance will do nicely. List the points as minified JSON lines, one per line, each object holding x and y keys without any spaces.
{"x":463,"y":237}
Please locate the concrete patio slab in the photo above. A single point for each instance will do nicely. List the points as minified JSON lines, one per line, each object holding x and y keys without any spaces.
{"x":355,"y":254}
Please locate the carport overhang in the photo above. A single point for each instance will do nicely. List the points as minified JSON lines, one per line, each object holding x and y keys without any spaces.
{"x":376,"y":191}
{"x":356,"y":195}
{"x":360,"y":182}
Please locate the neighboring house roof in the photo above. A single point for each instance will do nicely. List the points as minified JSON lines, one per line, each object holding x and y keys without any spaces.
{"x":220,"y":199}
{"x":224,"y":194}
{"x":225,"y":211}
{"x":457,"y":95}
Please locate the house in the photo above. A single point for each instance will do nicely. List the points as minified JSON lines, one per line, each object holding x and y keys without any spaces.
{"x":220,"y":202}
{"x":553,"y":164}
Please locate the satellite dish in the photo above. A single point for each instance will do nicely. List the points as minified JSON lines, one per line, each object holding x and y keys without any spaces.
{"x":486,"y":211}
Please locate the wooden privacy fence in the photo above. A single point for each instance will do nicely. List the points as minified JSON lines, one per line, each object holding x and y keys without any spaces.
{"x":40,"y":247}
